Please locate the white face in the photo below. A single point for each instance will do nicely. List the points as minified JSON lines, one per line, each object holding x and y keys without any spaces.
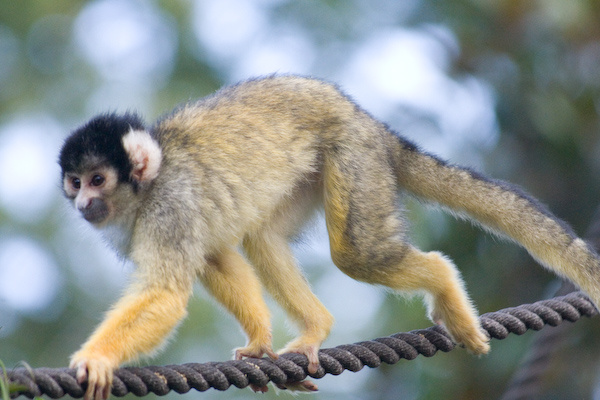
{"x":97,"y":192}
{"x":91,"y":193}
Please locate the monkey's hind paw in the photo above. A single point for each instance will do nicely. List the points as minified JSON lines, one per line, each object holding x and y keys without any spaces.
{"x":474,"y":339}
{"x":306,"y":386}
{"x":477,"y":344}
{"x":255,"y":351}
{"x":461,"y":321}
{"x":311,"y":351}
{"x":259,"y":389}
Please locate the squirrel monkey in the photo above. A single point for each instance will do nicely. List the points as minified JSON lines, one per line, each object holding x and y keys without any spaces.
{"x":246,"y":167}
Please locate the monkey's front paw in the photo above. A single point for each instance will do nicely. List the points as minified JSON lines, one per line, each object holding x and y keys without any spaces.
{"x":97,"y":371}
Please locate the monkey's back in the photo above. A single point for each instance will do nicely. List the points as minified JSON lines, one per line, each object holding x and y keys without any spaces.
{"x":242,"y":151}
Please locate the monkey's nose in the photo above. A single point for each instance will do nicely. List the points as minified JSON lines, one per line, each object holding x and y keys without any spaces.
{"x":83,"y":204}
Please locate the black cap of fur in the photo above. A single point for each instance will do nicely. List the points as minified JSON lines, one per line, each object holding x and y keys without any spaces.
{"x":101,"y":139}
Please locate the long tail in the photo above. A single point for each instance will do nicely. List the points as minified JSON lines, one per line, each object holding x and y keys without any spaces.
{"x":503,"y":208}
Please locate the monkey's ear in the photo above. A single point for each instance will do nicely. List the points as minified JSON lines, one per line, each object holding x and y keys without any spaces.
{"x":144,"y":153}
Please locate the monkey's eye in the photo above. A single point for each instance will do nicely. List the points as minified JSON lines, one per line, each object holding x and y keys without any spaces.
{"x":76,"y":183}
{"x":97,"y":180}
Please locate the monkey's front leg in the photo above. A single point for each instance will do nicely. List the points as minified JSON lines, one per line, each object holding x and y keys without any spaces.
{"x":138,"y":323}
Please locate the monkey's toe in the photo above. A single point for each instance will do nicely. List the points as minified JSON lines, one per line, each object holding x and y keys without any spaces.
{"x":259,"y":389}
{"x":310,"y":350}
{"x":475,"y":340}
{"x":302,"y":386}
{"x":97,"y":373}
{"x":477,"y":344}
{"x":255,"y":351}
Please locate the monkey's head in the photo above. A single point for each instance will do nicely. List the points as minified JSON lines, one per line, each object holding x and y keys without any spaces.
{"x":104,"y":163}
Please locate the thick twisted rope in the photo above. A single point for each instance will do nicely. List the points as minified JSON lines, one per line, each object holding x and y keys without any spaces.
{"x":528,"y":381}
{"x":59,"y":382}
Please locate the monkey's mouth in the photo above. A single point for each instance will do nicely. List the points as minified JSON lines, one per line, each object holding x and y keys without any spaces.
{"x":96,"y":213}
{"x":95,"y":216}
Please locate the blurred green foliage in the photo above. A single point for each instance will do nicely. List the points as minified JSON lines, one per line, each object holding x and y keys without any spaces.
{"x":540,"y":60}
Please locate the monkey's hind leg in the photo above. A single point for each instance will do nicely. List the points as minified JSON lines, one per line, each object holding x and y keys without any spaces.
{"x":446,"y":298}
{"x":234,"y":284}
{"x":367,"y":243}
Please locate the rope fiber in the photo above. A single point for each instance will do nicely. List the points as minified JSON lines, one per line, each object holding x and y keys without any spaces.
{"x":290,"y":368}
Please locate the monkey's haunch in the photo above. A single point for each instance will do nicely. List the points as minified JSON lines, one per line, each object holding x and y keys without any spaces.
{"x":59,"y":382}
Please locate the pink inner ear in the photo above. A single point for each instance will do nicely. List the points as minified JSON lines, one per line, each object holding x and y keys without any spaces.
{"x":139,"y":169}
{"x":144,"y":153}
